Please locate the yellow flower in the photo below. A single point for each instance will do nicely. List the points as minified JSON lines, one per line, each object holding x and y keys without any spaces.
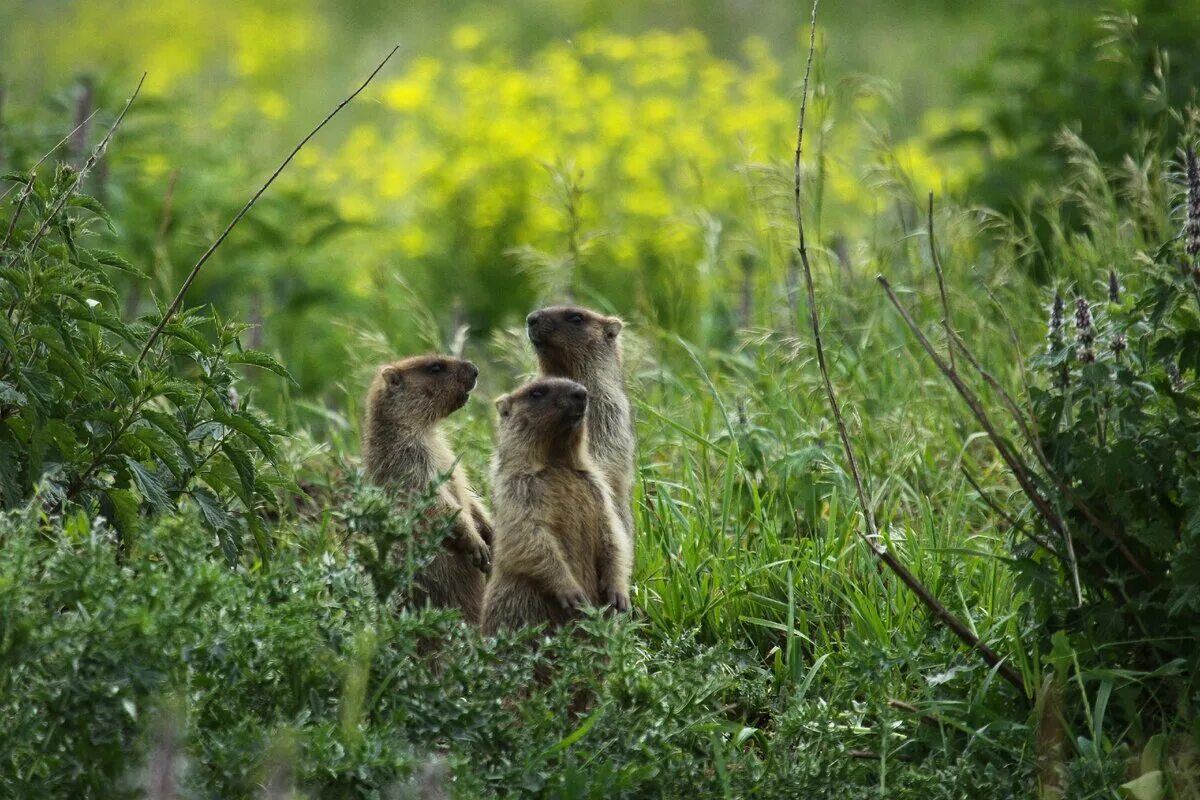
{"x":466,"y":37}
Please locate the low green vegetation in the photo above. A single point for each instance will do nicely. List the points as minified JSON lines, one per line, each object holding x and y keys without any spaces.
{"x":199,"y":593}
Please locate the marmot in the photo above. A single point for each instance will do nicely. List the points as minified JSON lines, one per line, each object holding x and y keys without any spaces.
{"x":558,"y":541}
{"x":579,"y":344}
{"x":403,"y":448}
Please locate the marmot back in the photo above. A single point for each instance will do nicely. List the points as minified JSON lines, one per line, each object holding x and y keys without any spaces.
{"x":403,"y":448}
{"x":584,"y":346}
{"x":558,"y":543}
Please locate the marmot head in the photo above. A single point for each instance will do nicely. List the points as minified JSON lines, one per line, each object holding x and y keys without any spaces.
{"x":417,"y":392}
{"x":572,"y":341}
{"x":543,"y":421}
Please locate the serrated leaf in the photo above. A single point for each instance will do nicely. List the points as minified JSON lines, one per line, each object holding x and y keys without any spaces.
{"x":163,"y":447}
{"x":149,"y":485}
{"x":168,"y":424}
{"x":93,"y":205}
{"x":107,"y":258}
{"x":252,"y":428}
{"x":9,"y":395}
{"x":125,"y":507}
{"x":211,"y":510}
{"x":261,"y":360}
{"x":244,"y":465}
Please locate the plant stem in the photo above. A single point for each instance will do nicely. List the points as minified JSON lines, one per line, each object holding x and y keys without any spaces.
{"x":872,"y":538}
{"x":170,"y":312}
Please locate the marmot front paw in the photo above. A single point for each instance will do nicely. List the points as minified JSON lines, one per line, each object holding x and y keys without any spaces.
{"x":572,"y":599}
{"x":617,"y":598}
{"x":479,"y":553}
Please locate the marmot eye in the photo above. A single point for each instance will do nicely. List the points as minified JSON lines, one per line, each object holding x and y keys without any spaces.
{"x":537,"y":394}
{"x":434,"y":369}
{"x":576,"y":318}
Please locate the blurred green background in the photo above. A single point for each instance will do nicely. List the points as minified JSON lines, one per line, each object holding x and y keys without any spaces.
{"x":492,"y":164}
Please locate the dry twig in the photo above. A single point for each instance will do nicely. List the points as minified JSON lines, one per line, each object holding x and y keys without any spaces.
{"x":872,"y":538}
{"x":170,"y":312}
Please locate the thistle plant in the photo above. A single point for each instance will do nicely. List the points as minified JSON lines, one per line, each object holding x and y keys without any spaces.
{"x":1191,"y":225}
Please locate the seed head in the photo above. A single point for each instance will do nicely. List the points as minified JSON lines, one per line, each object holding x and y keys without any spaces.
{"x":1083,"y":322}
{"x":1056,"y":315}
{"x":1119,"y":344}
{"x":1191,"y":225}
{"x":1114,"y":287}
{"x":1174,"y":376}
{"x":1086,"y":355}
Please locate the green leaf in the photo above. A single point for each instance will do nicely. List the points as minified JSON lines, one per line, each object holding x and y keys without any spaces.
{"x":1147,"y":787}
{"x":211,"y":510}
{"x":149,"y":485}
{"x":93,"y":205}
{"x":250,"y":426}
{"x":261,"y":360}
{"x":164,"y":448}
{"x":244,"y":465}
{"x":107,"y":258}
{"x":125,"y":508}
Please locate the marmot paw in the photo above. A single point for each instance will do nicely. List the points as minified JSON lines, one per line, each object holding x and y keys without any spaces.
{"x":573,"y":599}
{"x":618,"y":599}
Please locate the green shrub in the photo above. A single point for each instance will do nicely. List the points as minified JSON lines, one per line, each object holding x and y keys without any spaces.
{"x":1117,"y":422}
{"x":89,"y":423}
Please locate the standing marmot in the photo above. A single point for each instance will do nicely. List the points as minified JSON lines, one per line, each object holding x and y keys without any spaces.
{"x":558,"y":542}
{"x":584,"y":346}
{"x":402,"y":447}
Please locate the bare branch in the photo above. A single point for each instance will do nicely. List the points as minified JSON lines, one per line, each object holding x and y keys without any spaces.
{"x":1015,"y":463}
{"x":51,"y":151}
{"x":170,"y":312}
{"x":941,"y":281}
{"x":95,"y":156}
{"x":1004,"y":515}
{"x":872,"y":537}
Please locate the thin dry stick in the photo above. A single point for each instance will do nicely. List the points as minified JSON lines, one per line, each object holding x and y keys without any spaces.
{"x":51,"y":151}
{"x":1019,"y":468}
{"x":95,"y":156}
{"x":1004,"y":515}
{"x":250,"y":204}
{"x":12,"y":224}
{"x":937,"y":268}
{"x":1035,"y":443}
{"x":872,"y":537}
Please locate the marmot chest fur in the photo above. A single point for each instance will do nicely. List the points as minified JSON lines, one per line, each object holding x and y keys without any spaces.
{"x":558,"y":542}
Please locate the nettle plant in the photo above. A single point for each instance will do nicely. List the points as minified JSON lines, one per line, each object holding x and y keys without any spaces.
{"x":1116,"y":418}
{"x":85,"y":423}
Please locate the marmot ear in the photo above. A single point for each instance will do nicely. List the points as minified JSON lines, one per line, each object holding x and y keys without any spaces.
{"x":612,"y":326}
{"x":504,"y":405}
{"x":393,"y":375}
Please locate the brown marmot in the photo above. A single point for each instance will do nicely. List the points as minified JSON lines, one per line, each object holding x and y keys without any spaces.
{"x":558,"y":541}
{"x":403,"y":448}
{"x":579,"y":344}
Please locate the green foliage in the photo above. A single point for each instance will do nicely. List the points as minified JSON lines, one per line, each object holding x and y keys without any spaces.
{"x":95,"y":428}
{"x":1104,"y":71}
{"x":1117,"y":420}
{"x":306,"y":654}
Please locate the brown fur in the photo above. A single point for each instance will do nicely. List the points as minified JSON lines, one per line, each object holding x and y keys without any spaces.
{"x":559,"y":544}
{"x":403,"y":448}
{"x":579,"y":344}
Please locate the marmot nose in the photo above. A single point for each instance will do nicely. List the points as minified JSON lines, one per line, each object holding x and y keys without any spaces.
{"x":472,"y":370}
{"x":533,"y":318}
{"x":579,"y":395}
